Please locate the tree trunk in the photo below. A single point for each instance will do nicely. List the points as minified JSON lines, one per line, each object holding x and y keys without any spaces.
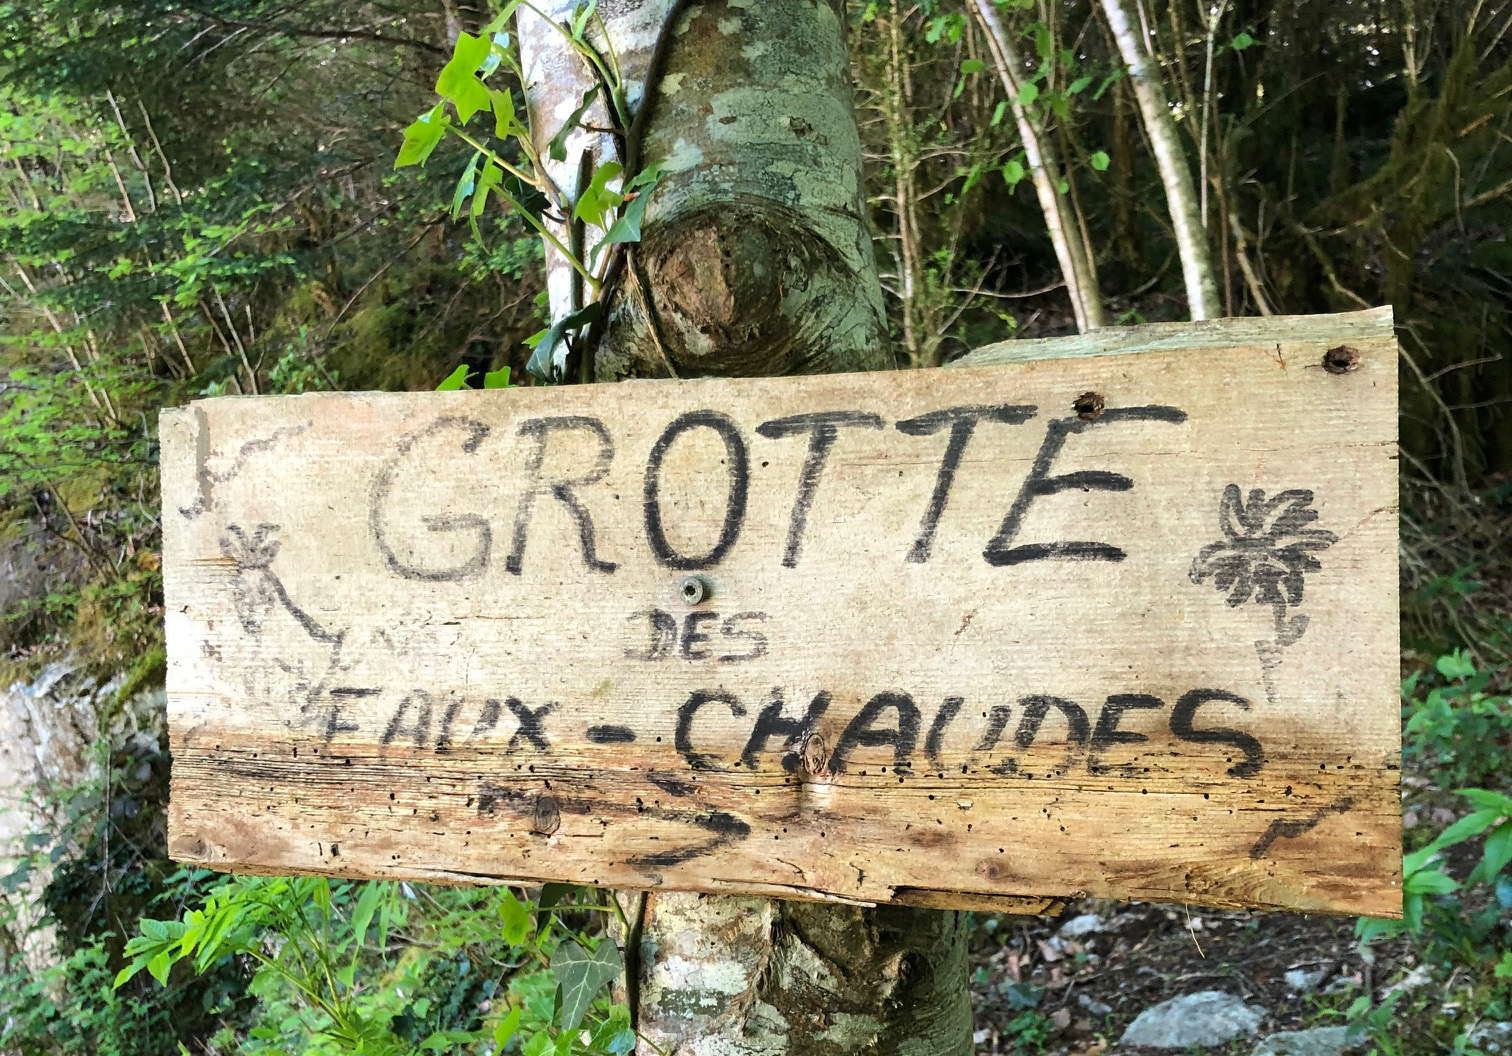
{"x":1165,"y":143}
{"x":756,"y":260}
{"x":1076,"y":261}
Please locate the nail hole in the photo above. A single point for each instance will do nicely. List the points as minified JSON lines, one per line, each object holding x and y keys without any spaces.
{"x":1089,"y":405}
{"x":1341,"y":360}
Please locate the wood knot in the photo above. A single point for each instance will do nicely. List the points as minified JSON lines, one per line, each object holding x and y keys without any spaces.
{"x":545,"y":816}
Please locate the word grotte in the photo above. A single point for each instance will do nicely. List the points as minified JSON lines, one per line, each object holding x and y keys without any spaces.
{"x":593,"y":447}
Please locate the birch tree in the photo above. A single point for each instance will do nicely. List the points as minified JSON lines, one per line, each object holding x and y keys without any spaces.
{"x":1127,"y":26}
{"x":754,"y":259}
{"x":1077,"y":263}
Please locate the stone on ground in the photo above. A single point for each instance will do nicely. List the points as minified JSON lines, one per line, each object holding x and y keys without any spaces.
{"x":1210,"y":1017}
{"x":1320,"y":1041}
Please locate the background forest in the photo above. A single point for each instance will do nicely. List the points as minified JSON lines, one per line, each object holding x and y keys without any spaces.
{"x":200,"y":198}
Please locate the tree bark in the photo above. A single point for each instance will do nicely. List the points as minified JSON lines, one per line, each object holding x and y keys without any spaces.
{"x":1165,"y":143}
{"x":1076,"y":261}
{"x":756,"y":259}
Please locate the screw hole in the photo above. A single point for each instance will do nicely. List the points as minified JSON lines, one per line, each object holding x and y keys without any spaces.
{"x":1089,"y":405}
{"x":1341,"y":360}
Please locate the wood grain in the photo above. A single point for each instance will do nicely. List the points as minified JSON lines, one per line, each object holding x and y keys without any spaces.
{"x":1147,"y":649}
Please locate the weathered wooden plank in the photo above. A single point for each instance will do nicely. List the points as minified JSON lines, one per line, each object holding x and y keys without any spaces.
{"x":1121,"y":626}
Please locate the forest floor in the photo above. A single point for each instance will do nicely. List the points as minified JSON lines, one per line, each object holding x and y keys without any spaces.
{"x":1070,"y":986}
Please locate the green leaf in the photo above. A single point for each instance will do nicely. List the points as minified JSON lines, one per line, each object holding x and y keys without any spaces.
{"x":1488,"y":800}
{"x":580,"y":17}
{"x":492,"y":178}
{"x":514,"y":918}
{"x":558,"y":148}
{"x":1028,"y":93}
{"x":1013,"y":172}
{"x":1466,"y":828}
{"x":543,"y":365}
{"x":507,"y":1028}
{"x":502,"y":102}
{"x":457,"y":379}
{"x":1099,"y":160}
{"x":597,"y":199}
{"x":1456,"y":665}
{"x":1429,"y":882}
{"x":973,"y":66}
{"x":373,"y":893}
{"x":421,"y":137}
{"x":1081,"y":84}
{"x":457,"y":82}
{"x":465,"y":184}
{"x":500,"y":20}
{"x":627,"y":226}
{"x":539,"y":1044}
{"x":499,"y":379}
{"x":1496,"y":854}
{"x":581,"y":975}
{"x":998,"y":112}
{"x":1241,"y":41}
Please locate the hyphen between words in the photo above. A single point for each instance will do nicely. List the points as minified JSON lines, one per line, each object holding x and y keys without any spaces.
{"x":890,"y":720}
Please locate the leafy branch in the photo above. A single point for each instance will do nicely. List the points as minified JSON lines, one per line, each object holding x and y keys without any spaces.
{"x":611,"y":197}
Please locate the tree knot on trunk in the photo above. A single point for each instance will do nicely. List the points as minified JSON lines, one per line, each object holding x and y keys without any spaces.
{"x":745,"y":287}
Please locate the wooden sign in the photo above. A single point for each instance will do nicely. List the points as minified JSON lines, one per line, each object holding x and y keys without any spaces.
{"x":1121,"y":625}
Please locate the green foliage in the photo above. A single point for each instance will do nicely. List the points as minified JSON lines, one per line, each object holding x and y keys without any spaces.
{"x":1459,"y":722}
{"x":394,"y":969}
{"x":613,"y":201}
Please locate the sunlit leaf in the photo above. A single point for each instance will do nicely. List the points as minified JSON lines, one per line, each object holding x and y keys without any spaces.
{"x":1099,"y":160}
{"x":581,"y":975}
{"x":457,"y":379}
{"x":465,"y":184}
{"x":558,"y":147}
{"x":421,"y":137}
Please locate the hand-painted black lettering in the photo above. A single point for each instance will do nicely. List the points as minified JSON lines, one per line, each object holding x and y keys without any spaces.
{"x":943,"y":718}
{"x":419,"y":729}
{"x":663,"y":639}
{"x":1040,"y":483}
{"x":683,"y":738}
{"x":540,"y":429}
{"x":1107,"y":734}
{"x":487,"y":721}
{"x":770,"y":722}
{"x":694,"y":640}
{"x":962,"y":422}
{"x":444,"y":738}
{"x":530,"y":724}
{"x":862,"y":731}
{"x":738,"y":465}
{"x":823,"y":427}
{"x":1185,"y":712}
{"x":726,"y":827}
{"x":340,"y":694}
{"x":1078,"y":729}
{"x":732,"y":631}
{"x":611,"y":734}
{"x":475,"y":432}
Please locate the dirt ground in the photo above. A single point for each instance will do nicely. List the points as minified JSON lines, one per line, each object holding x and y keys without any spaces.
{"x":1037,"y":989}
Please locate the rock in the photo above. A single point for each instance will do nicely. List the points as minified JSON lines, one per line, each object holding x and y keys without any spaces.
{"x":1209,"y":1017}
{"x":1080,"y":926}
{"x":1304,"y":982}
{"x":1320,"y":1041}
{"x":1419,"y":976}
{"x":1094,"y":1006}
{"x":1494,"y":1039}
